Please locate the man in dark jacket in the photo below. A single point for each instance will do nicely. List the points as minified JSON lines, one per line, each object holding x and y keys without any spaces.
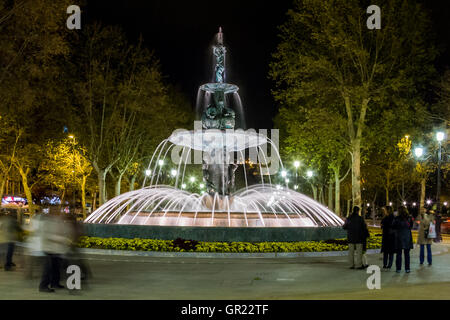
{"x":356,"y":232}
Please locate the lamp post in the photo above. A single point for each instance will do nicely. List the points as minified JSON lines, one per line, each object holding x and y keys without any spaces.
{"x":439,"y":137}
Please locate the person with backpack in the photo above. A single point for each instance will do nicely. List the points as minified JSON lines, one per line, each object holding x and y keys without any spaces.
{"x":423,"y":238}
{"x":356,"y":233}
{"x":402,"y":225}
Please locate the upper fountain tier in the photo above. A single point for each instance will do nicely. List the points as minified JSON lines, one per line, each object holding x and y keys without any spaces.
{"x":219,"y":85}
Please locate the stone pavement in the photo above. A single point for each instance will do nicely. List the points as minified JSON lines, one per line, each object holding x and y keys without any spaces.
{"x":138,"y":277}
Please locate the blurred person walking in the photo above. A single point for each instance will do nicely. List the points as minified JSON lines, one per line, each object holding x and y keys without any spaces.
{"x":33,"y":245}
{"x":74,"y":256}
{"x":402,"y":225}
{"x":54,"y":244}
{"x":356,"y":232}
{"x":9,"y":230}
{"x":423,"y":236}
{"x":388,"y":238}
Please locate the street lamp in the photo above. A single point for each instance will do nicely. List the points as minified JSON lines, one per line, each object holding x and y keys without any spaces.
{"x":160,"y":163}
{"x":148,"y":172}
{"x":173,"y":172}
{"x":192,"y":179}
{"x":309,"y":173}
{"x":418,"y":152}
{"x":284,"y":173}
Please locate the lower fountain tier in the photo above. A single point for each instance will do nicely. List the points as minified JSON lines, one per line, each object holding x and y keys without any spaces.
{"x":255,"y":206}
{"x":215,"y":139}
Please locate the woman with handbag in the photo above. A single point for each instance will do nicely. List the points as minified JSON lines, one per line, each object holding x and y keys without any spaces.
{"x":424,"y":238}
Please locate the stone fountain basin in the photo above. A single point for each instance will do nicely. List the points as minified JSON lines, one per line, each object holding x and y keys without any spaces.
{"x":222,"y":234}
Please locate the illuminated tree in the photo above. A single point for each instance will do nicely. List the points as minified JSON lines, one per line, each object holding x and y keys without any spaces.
{"x":328,"y":57}
{"x":64,"y":165}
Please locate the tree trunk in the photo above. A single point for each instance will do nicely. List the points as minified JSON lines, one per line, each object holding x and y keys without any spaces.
{"x":133,"y":180}
{"x":118,"y":184}
{"x":314,"y":189}
{"x":422,"y":196}
{"x":101,"y":186}
{"x":337,"y":192}
{"x":27,"y":190}
{"x":356,"y":173}
{"x":330,"y":195}
{"x":2,"y":187}
{"x":387,"y":196}
{"x":83,"y":196}
{"x":348,"y":206}
{"x":94,"y":202}
{"x":61,"y":199}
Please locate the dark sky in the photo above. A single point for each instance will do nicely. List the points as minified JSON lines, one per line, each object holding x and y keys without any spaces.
{"x":181,"y":32}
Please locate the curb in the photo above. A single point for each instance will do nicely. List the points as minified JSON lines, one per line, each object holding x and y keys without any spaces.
{"x":233,"y":255}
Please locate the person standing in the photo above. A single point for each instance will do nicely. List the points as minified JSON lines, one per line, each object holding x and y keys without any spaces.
{"x":422,"y":236}
{"x":388,"y":239}
{"x":356,"y":232}
{"x":438,"y":220}
{"x":402,"y":225}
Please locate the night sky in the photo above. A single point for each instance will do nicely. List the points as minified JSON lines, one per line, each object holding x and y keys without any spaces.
{"x":181,"y":32}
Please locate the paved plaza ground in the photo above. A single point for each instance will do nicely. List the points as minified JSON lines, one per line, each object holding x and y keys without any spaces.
{"x":124,"y":277}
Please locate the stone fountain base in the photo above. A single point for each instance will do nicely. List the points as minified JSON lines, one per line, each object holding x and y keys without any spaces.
{"x":225,"y":234}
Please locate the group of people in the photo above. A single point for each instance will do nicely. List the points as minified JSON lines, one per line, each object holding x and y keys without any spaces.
{"x":50,"y":241}
{"x":396,"y":238}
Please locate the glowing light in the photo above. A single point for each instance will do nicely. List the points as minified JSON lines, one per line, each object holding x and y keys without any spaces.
{"x":201,"y":185}
{"x":414,"y":204}
{"x":428,"y":201}
{"x":368,"y":204}
{"x":445,"y":203}
{"x":309,"y":173}
{"x":296,"y":187}
{"x":192,"y":179}
{"x":161,"y":162}
{"x":71,"y":136}
{"x":390,"y":203}
{"x":296,"y":164}
{"x":404,"y":203}
{"x":173,"y":172}
{"x":418,"y":152}
{"x":148,"y":172}
{"x":440,"y":136}
{"x":183,"y":186}
{"x":278,"y":187}
{"x":287,"y":180}
{"x":283,"y":173}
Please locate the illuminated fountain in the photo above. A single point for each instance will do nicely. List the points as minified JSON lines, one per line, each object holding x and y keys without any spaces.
{"x":220,"y":142}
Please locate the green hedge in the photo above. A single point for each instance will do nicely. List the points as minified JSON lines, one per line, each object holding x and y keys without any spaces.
{"x":181,"y":245}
